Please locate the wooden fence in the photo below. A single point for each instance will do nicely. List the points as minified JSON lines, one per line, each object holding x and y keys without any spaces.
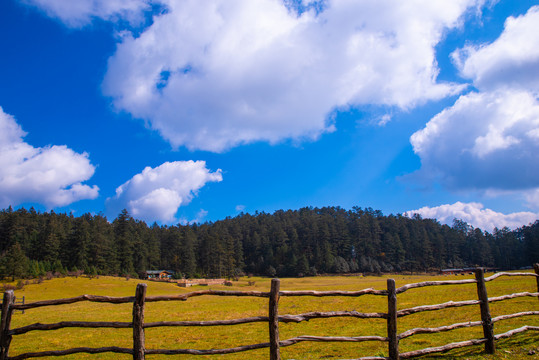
{"x":138,"y":351}
{"x":22,"y":301}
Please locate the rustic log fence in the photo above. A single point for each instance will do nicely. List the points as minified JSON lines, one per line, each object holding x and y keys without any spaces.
{"x":138,"y":351}
{"x":22,"y":301}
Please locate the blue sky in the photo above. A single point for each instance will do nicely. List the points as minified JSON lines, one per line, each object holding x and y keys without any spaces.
{"x":189,"y":110}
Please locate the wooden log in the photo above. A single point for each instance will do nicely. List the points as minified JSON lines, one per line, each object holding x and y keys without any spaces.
{"x":488,"y":326}
{"x":87,"y":350}
{"x":324,"y":315}
{"x":497,"y":275}
{"x":186,"y":296}
{"x":444,"y":348}
{"x":138,"y":323}
{"x":434,"y":283}
{"x":207,"y":352}
{"x":446,"y":305}
{"x":512,"y":296}
{"x":301,"y":338}
{"x":91,"y":298}
{"x":274,"y":320}
{"x":515,"y":315}
{"x":208,"y":323}
{"x":283,"y":343}
{"x":369,"y":291}
{"x":5,"y":322}
{"x":393,"y":340}
{"x":282,"y":318}
{"x":70,"y":324}
{"x":416,"y":331}
{"x":516,"y":331}
{"x":536,"y":269}
{"x":462,"y":325}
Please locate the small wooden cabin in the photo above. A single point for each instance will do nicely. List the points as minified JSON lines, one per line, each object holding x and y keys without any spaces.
{"x":159,"y":274}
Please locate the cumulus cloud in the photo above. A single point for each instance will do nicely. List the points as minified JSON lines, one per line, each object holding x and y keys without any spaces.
{"x":81,"y":12}
{"x":512,"y":61}
{"x":51,"y":175}
{"x":489,"y":139}
{"x":485,"y":141}
{"x":476,"y":215}
{"x":157,"y":193}
{"x":215,"y":74}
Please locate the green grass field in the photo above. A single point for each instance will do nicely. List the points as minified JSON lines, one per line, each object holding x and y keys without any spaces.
{"x":220,"y":308}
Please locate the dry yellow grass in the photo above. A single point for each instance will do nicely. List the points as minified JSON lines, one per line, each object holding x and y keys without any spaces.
{"x":214,"y":308}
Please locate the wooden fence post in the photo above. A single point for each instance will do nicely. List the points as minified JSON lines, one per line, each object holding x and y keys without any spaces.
{"x":274,"y":319}
{"x":392,"y":320}
{"x":139,"y":347}
{"x":488,"y":325}
{"x":5,"y":338}
{"x":536,"y":268}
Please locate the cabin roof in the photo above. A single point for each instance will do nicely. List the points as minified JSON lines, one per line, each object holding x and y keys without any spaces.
{"x":155,"y":272}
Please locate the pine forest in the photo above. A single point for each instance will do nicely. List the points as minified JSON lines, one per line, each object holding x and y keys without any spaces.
{"x":303,"y":242}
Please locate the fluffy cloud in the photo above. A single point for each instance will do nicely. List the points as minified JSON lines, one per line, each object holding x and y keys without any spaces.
{"x":489,"y":139}
{"x":215,"y":74}
{"x":512,"y":61}
{"x":157,"y":193}
{"x":476,"y":215}
{"x":81,"y":12}
{"x":486,"y":140}
{"x":50,"y":175}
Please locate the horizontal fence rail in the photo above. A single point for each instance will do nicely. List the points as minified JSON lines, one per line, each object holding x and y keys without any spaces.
{"x":138,"y":351}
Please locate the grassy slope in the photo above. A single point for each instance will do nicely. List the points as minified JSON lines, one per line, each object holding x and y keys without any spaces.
{"x":206,"y":308}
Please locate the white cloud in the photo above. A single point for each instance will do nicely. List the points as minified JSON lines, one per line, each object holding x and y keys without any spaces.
{"x":476,"y":215}
{"x":157,"y":193}
{"x":218,"y":73}
{"x":486,"y":140}
{"x":51,"y":175}
{"x":512,"y":61}
{"x":489,"y":140}
{"x":78,"y":13}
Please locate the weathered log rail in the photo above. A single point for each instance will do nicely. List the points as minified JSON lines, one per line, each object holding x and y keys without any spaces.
{"x":138,"y":351}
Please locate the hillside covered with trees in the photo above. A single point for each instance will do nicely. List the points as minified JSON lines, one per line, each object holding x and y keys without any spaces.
{"x":300,"y":242}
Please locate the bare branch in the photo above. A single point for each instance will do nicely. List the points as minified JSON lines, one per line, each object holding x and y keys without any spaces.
{"x":206,"y":292}
{"x":434,"y":283}
{"x":438,"y":329}
{"x":206,"y":352}
{"x":516,"y":331}
{"x":497,"y":275}
{"x":515,"y":315}
{"x":330,"y":314}
{"x":207,"y":323}
{"x":369,"y":291}
{"x":91,"y":298}
{"x":512,"y":296}
{"x":449,"y":304}
{"x":65,"y":324}
{"x":444,"y":348}
{"x":301,"y":338}
{"x":113,"y":349}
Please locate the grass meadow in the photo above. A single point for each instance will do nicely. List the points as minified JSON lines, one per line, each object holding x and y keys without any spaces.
{"x":220,"y":308}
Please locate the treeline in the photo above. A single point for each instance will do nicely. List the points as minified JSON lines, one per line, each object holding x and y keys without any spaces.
{"x":300,"y":242}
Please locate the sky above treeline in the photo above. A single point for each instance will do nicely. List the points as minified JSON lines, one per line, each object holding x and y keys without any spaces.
{"x":190,"y":111}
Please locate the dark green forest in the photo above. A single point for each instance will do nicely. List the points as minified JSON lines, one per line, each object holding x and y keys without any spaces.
{"x":302,"y":242}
